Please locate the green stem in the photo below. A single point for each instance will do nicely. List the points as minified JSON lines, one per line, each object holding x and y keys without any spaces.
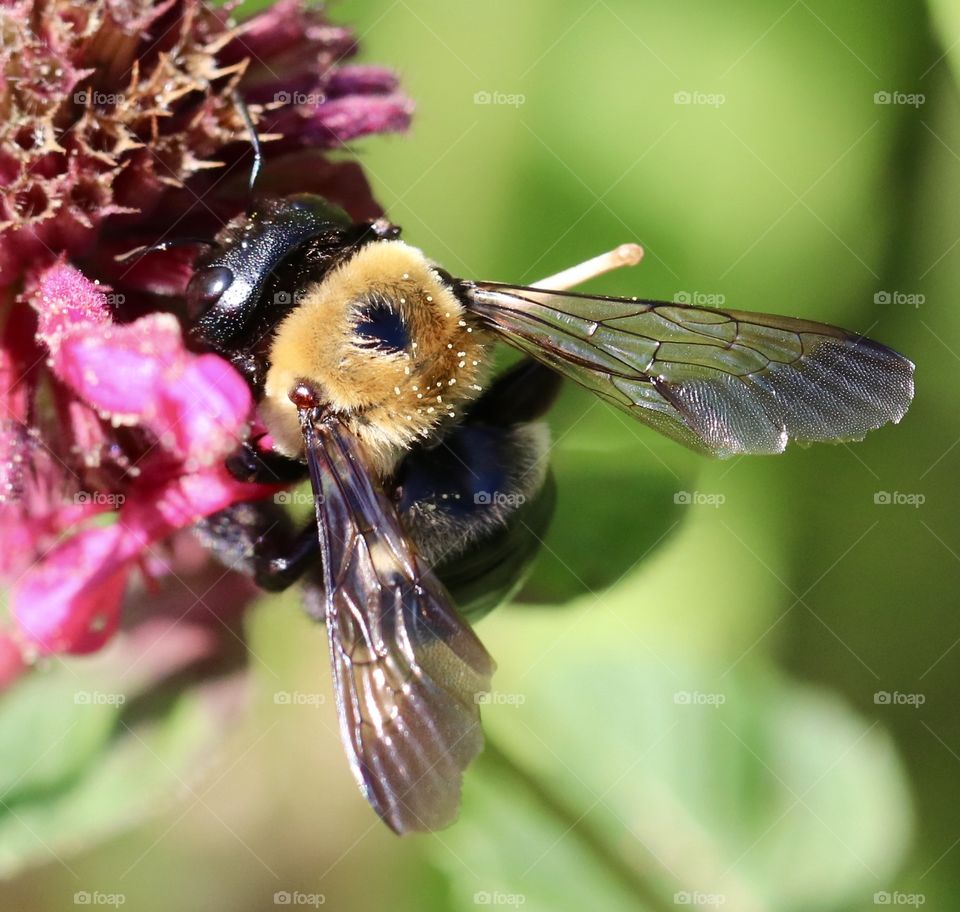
{"x":635,"y":882}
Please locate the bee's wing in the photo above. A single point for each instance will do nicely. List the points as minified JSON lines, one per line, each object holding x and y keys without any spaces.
{"x":407,"y":670}
{"x":722,"y":382}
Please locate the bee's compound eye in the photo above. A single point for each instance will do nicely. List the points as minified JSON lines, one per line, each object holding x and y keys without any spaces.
{"x":205,"y":288}
{"x":382,"y":328}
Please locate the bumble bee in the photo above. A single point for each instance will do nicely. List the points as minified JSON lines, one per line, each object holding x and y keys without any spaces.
{"x":371,"y":366}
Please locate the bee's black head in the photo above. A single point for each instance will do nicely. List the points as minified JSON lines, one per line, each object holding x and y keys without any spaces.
{"x":282,"y":240}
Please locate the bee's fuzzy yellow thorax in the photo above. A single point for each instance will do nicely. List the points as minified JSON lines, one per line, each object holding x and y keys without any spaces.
{"x":388,"y":398}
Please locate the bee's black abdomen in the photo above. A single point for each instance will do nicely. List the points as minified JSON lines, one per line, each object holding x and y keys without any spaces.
{"x":473,"y":504}
{"x":490,"y":572}
{"x":479,"y":502}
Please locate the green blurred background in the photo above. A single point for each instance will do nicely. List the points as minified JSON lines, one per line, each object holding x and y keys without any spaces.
{"x":690,"y":703}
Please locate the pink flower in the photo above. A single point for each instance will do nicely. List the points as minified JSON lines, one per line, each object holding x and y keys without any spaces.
{"x":120,"y":129}
{"x":193,"y":411}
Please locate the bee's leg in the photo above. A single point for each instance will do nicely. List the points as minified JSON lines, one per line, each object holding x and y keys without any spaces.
{"x":624,"y":255}
{"x":275,"y":569}
{"x":259,"y":539}
{"x":250,"y":463}
{"x":253,"y":368}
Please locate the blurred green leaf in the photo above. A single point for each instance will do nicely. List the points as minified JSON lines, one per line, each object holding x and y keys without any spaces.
{"x":946,"y":20}
{"x":635,"y":776}
{"x":602,"y":488}
{"x":96,"y":745}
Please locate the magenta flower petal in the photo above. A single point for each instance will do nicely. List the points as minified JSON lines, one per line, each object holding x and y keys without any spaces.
{"x":70,"y":601}
{"x":201,"y":411}
{"x":66,"y":300}
{"x":120,"y":370}
{"x":122,"y":130}
{"x":140,"y":373}
{"x":289,"y":29}
{"x":342,"y":119}
{"x":362,"y":79}
{"x":19,"y":358}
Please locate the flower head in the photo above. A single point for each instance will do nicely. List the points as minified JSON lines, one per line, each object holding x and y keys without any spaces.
{"x":119,"y":127}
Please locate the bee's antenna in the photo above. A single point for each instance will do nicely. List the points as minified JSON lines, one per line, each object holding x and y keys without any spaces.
{"x":138,"y":252}
{"x":624,"y":255}
{"x":254,"y":138}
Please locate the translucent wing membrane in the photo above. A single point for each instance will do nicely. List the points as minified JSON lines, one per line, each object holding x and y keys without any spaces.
{"x":721,"y":382}
{"x":407,"y":670}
